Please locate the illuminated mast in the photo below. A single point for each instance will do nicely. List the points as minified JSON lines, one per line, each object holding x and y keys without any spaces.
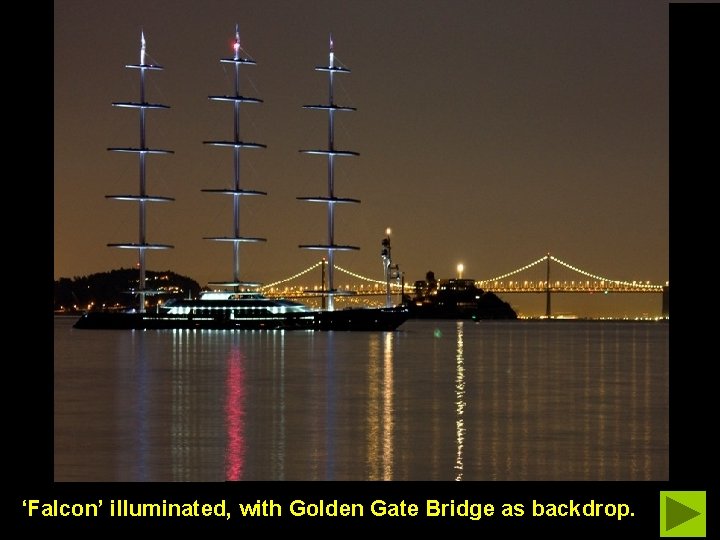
{"x":331,"y":200}
{"x":142,"y":198}
{"x":236,"y":144}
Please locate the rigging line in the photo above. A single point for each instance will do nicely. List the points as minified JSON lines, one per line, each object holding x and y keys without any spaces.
{"x":346,"y":98}
{"x":153,"y":61}
{"x":247,"y":54}
{"x":230,"y":79}
{"x":251,"y":80}
{"x":160,"y":134}
{"x":156,"y":89}
{"x":339,"y":62}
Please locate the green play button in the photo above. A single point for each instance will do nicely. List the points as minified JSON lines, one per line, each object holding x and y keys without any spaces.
{"x":676,"y":513}
{"x":682,"y":513}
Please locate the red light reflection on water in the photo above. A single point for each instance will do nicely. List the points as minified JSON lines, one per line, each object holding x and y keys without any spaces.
{"x":235,"y":415}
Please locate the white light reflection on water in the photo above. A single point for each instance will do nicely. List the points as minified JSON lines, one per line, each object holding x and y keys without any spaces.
{"x":459,"y":401}
{"x":435,"y":400}
{"x":179,"y":429}
{"x":279,"y":375}
{"x":142,"y":411}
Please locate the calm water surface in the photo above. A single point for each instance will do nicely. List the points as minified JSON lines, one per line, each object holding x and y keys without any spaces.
{"x":435,"y":400}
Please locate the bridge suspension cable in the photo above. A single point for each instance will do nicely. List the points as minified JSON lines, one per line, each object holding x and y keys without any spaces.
{"x":303,"y":272}
{"x":544,"y":258}
{"x":588,"y":274}
{"x":517,"y":271}
{"x":358,"y":276}
{"x":314,"y":266}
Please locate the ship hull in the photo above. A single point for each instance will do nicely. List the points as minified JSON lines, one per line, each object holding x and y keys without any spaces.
{"x":382,"y":319}
{"x":360,"y":319}
{"x":147,"y":321}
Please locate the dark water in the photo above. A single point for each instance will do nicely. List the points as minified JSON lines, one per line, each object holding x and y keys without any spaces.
{"x":435,"y":400}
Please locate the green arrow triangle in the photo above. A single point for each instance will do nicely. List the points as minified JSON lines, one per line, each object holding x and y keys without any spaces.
{"x":677,"y":513}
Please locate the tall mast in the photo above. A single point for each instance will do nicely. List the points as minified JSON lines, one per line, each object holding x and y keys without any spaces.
{"x":331,"y":200}
{"x":236,"y":144}
{"x":142,"y":198}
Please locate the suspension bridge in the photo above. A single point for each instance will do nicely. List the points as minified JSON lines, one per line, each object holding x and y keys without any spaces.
{"x":507,"y":283}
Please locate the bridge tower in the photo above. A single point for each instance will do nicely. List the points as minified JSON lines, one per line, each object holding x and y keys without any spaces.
{"x":666,"y":301}
{"x":548,"y":311}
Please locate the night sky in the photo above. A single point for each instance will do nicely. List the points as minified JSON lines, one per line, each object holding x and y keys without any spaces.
{"x":489,"y":133}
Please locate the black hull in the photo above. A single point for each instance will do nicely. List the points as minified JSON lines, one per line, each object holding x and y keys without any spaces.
{"x":459,"y":315}
{"x":384,"y":319}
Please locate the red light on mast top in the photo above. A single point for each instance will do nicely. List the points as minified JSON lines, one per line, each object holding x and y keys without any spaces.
{"x":236,"y":44}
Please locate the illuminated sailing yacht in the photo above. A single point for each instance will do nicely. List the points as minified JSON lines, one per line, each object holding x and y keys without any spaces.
{"x":142,"y":198}
{"x":240,"y":305}
{"x":238,"y":308}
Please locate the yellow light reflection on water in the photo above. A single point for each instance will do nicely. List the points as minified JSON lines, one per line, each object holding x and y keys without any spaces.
{"x":373,"y":410}
{"x":381,"y":408}
{"x":388,"y":407}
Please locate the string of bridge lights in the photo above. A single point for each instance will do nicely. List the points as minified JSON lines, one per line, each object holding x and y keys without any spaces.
{"x":353,"y":274}
{"x":301,"y":273}
{"x":314,"y":266}
{"x":497,"y":278}
{"x":600,"y":278}
{"x":573,"y":268}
